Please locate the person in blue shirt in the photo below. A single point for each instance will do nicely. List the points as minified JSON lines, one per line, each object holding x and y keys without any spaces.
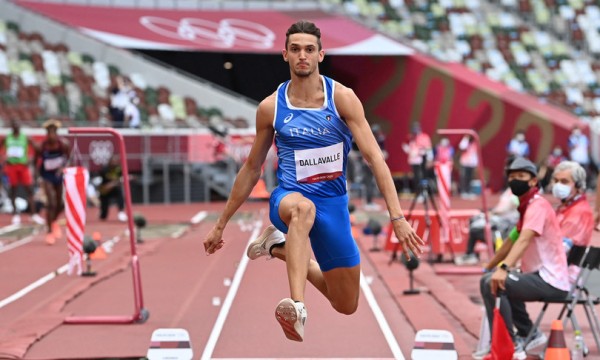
{"x":313,"y":120}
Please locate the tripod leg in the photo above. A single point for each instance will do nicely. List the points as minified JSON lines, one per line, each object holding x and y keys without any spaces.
{"x":434,"y":206}
{"x":407,"y":217}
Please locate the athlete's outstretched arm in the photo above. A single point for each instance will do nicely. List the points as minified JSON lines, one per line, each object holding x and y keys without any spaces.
{"x":248,"y":175}
{"x":351,"y":110}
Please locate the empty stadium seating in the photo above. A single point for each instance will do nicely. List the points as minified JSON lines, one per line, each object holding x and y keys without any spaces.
{"x":40,"y":80}
{"x":548,"y":48}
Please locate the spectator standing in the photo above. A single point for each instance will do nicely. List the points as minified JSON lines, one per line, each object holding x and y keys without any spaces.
{"x":517,"y":147}
{"x":547,"y":168}
{"x":469,"y":160}
{"x":579,"y":149}
{"x":419,"y":151}
{"x":444,"y":151}
{"x":132,"y":114}
{"x":119,"y":98}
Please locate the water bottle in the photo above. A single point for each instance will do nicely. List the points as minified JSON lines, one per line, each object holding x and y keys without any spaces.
{"x":577,"y":351}
{"x":568,"y":244}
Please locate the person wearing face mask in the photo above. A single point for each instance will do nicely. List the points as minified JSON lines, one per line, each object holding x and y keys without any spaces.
{"x":574,"y":214}
{"x":539,"y":250}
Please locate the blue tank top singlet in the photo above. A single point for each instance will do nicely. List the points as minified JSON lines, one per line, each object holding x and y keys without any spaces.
{"x":312,"y":145}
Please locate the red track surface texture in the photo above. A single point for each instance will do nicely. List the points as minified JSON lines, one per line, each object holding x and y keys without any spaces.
{"x":224,"y":301}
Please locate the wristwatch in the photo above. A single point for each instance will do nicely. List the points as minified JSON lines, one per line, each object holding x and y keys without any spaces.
{"x":504,"y":267}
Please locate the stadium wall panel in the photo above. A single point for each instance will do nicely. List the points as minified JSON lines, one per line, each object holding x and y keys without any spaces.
{"x":397,"y":91}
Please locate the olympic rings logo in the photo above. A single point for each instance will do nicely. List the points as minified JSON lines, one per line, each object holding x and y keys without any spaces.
{"x":101,"y":151}
{"x":227,"y":33}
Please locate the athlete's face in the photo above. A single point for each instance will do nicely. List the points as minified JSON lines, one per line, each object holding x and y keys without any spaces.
{"x":51,"y":133}
{"x":303,"y":54}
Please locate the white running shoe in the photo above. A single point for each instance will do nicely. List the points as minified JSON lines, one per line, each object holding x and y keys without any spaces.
{"x":16,"y":219}
{"x":262,"y":245}
{"x":538,"y":340}
{"x":122,"y":216}
{"x":291,"y":316}
{"x":482,"y":353}
{"x":36,"y":218}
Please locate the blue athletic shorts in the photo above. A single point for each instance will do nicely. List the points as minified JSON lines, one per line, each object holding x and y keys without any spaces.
{"x":331,"y":235}
{"x":52,"y":177}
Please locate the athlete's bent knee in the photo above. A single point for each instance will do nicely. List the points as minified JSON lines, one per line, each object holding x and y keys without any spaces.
{"x":304,"y":209}
{"x":346,"y":307}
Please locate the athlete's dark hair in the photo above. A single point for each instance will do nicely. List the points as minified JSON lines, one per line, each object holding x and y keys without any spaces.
{"x":303,"y":27}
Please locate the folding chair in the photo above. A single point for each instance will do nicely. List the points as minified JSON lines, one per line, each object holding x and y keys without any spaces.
{"x":588,"y":259}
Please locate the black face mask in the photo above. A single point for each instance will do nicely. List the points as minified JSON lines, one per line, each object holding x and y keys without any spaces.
{"x":519,"y":187}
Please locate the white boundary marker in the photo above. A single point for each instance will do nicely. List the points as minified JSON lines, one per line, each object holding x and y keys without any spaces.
{"x":196,"y":219}
{"x":383,"y":324}
{"x":34,"y":285}
{"x":9,"y":228}
{"x":231,"y":293}
{"x":16,"y":244}
{"x":107,"y":245}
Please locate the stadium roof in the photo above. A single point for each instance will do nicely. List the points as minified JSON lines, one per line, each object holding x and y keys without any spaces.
{"x":215,"y":30}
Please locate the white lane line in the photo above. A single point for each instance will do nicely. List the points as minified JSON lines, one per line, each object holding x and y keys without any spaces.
{"x":383,"y":324}
{"x":16,"y":244}
{"x":107,"y":245}
{"x":235,"y":284}
{"x":9,"y":228}
{"x":34,"y":285}
{"x":196,"y":219}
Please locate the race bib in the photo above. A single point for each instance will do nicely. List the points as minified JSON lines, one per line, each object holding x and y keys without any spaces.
{"x":53,"y":164}
{"x":15,"y":152}
{"x":322,"y":164}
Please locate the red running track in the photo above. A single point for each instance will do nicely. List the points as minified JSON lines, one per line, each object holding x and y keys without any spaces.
{"x":225,"y":301}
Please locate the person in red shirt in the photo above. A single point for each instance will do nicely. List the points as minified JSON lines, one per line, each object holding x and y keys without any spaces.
{"x":574,"y":213}
{"x":420,"y":155}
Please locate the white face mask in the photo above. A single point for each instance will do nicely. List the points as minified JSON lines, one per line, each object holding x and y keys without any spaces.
{"x":561,"y":191}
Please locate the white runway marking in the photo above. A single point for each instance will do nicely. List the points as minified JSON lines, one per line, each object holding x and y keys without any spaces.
{"x":196,"y":219}
{"x":107,"y":245}
{"x":16,"y":244}
{"x":34,"y":285}
{"x":383,"y":324}
{"x":235,"y":284}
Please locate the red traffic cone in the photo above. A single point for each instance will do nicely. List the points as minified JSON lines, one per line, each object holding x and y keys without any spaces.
{"x":99,"y":254}
{"x":259,"y":192}
{"x":557,"y":346}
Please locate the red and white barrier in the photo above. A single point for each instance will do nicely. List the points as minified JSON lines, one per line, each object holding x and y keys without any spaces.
{"x":75,"y":180}
{"x":443,"y":172}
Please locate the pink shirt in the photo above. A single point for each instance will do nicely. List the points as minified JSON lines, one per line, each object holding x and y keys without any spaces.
{"x":418,"y":148}
{"x":546,"y":252}
{"x":469,"y":156}
{"x":577,"y":223}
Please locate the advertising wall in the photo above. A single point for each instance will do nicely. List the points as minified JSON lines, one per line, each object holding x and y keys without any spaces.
{"x":397,"y":91}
